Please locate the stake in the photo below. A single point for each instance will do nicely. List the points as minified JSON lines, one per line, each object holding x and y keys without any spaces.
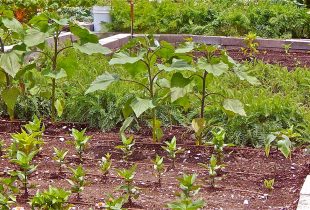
{"x":131,"y":17}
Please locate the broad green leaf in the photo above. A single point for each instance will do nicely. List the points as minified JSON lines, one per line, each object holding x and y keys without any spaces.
{"x":140,"y":105}
{"x":59,"y":107}
{"x":61,"y":22}
{"x":122,"y":58}
{"x":270,"y":138}
{"x":34,"y":37}
{"x":102,"y":82}
{"x":198,"y":125}
{"x":243,"y":75}
{"x":13,"y":25}
{"x":40,"y":21}
{"x":215,"y":69}
{"x":54,"y":74}
{"x":9,"y":97}
{"x":178,"y":80}
{"x":235,"y":106}
{"x":92,"y":48}
{"x":83,"y":33}
{"x":185,"y":48}
{"x":285,"y":145}
{"x":179,"y":92}
{"x":126,"y":124}
{"x":10,"y":62}
{"x":178,"y":65}
{"x":135,"y":68}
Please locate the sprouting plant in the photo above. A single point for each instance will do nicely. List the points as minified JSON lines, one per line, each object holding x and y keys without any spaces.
{"x":77,"y":180}
{"x":218,"y":143}
{"x":7,"y":191}
{"x":287,"y":48}
{"x":189,"y":190}
{"x":105,"y":165}
{"x":112,"y":203}
{"x":282,"y":142}
{"x":127,"y":146}
{"x":59,"y":157}
{"x":35,"y":127}
{"x":212,"y":169}
{"x":172,"y":150}
{"x":129,"y":190}
{"x":1,"y":147}
{"x":53,"y":198}
{"x":80,"y":141}
{"x":251,"y":45}
{"x":24,"y":162}
{"x":159,"y":167}
{"x":269,"y":183}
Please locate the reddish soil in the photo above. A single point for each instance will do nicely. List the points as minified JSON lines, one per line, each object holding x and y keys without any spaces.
{"x":242,"y":178}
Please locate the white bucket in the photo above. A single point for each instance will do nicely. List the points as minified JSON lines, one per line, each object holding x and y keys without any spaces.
{"x":101,"y":14}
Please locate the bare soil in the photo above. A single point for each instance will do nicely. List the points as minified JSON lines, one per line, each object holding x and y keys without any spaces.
{"x":241,"y":182}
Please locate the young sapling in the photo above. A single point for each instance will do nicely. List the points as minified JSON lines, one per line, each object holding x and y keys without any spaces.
{"x":172,"y":150}
{"x":105,"y":165}
{"x":269,"y":183}
{"x":7,"y":191}
{"x":212,"y":169}
{"x":80,"y":141}
{"x":159,"y":168}
{"x":127,"y":146}
{"x":77,"y":180}
{"x":59,"y":158}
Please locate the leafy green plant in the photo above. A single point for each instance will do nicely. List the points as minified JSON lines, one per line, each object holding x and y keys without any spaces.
{"x":59,"y":158}
{"x":268,"y":184}
{"x":287,"y":48}
{"x":129,"y":190}
{"x":105,"y":165}
{"x":77,"y":180}
{"x":172,"y":150}
{"x":218,"y":143}
{"x":112,"y":203}
{"x":212,"y":168}
{"x":35,"y":127}
{"x":80,"y":141}
{"x":24,"y":162}
{"x":251,"y":45}
{"x":53,"y":198}
{"x":1,"y":147}
{"x":189,"y":190}
{"x":127,"y":146}
{"x":159,"y":167}
{"x":7,"y":191}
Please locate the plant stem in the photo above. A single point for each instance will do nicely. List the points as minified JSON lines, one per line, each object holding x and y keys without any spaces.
{"x":25,"y":184}
{"x":54,"y":67}
{"x":203,"y":98}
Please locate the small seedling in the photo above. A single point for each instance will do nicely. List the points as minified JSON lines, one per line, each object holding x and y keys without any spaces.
{"x":212,"y":169}
{"x":189,"y":190}
{"x":1,"y":147}
{"x":59,"y":157}
{"x":129,"y":190}
{"x":159,"y":167}
{"x":77,"y":180}
{"x":172,"y":150}
{"x":35,"y":127}
{"x":282,"y":142}
{"x":80,"y":141}
{"x":24,"y":161}
{"x":287,"y":48}
{"x":126,"y":147}
{"x":268,"y":184}
{"x":105,"y":165}
{"x":251,"y":45}
{"x":218,"y":143}
{"x":113,"y":203}
{"x":53,"y":198}
{"x":7,"y":191}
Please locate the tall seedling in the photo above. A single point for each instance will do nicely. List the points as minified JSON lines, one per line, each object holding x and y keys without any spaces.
{"x":140,"y":58}
{"x":51,"y":25}
{"x":80,"y":141}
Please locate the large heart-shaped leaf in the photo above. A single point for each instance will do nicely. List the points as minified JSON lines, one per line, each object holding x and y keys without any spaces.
{"x":102,"y":82}
{"x":122,"y":58}
{"x":243,"y":75}
{"x":198,"y":125}
{"x":140,"y":105}
{"x":10,"y":63}
{"x":34,"y":37}
{"x":284,"y":146}
{"x":83,"y":33}
{"x":176,"y":65}
{"x":215,"y":69}
{"x":235,"y":106}
{"x":9,"y":97}
{"x":92,"y":48}
{"x":13,"y":25}
{"x":185,"y":48}
{"x":55,"y":74}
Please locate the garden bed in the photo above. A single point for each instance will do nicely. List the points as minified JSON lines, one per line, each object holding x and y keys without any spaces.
{"x":239,"y":186}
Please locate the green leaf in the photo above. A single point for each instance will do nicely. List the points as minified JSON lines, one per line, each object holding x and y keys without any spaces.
{"x":10,"y":62}
{"x":102,"y":82}
{"x":215,"y":69}
{"x":122,"y":58}
{"x":178,"y":65}
{"x":59,"y":105}
{"x":284,"y":146}
{"x":243,"y":75}
{"x":140,"y":105}
{"x":34,"y":37}
{"x":13,"y":25}
{"x":126,"y":124}
{"x":83,"y":33}
{"x":135,"y":68}
{"x":9,"y":97}
{"x":92,"y":48}
{"x":235,"y":106}
{"x":54,"y":74}
{"x":179,"y":92}
{"x":198,"y":125}
{"x":270,"y":138}
{"x":185,"y":48}
{"x":178,"y":80}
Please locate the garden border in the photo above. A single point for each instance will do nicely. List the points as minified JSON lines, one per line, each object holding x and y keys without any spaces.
{"x":304,"y":199}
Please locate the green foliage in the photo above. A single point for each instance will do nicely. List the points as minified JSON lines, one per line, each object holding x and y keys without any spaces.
{"x":172,"y":150}
{"x":268,"y":184}
{"x":212,"y":168}
{"x":159,"y":167}
{"x":77,"y":180}
{"x":189,"y":190}
{"x":105,"y":164}
{"x":112,"y":203}
{"x":59,"y":157}
{"x":7,"y":191}
{"x":251,"y":45}
{"x":127,"y":146}
{"x":1,"y":147}
{"x":128,"y":189}
{"x":80,"y":141}
{"x":53,"y":198}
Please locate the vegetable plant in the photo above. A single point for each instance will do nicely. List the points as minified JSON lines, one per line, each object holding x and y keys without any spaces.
{"x":59,"y":158}
{"x":128,"y":188}
{"x":212,"y":169}
{"x":251,"y":45}
{"x":105,"y":165}
{"x":53,"y":198}
{"x":287,"y":48}
{"x":80,"y":141}
{"x":112,"y":203}
{"x":268,"y":184}
{"x":127,"y":146}
{"x":188,"y":191}
{"x":159,"y":167}
{"x":24,"y":162}
{"x":7,"y":191}
{"x":172,"y":150}
{"x":77,"y":180}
